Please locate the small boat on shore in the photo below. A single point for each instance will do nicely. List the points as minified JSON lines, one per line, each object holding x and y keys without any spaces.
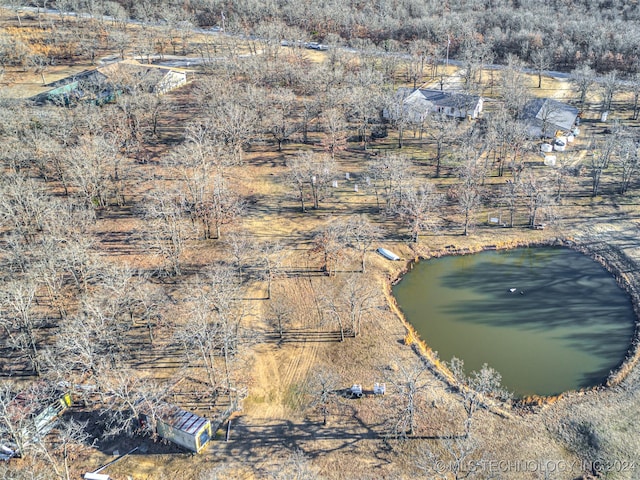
{"x":389,"y":255}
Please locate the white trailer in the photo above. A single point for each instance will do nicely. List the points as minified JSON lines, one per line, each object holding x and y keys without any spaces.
{"x":183,"y":428}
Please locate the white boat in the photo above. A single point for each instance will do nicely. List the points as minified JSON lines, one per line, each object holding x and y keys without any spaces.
{"x":512,"y":290}
{"x":388,"y":254}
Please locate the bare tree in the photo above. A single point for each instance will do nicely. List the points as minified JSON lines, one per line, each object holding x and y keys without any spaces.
{"x":454,"y":458}
{"x":279,"y":120}
{"x":477,"y":389}
{"x":311,"y":173}
{"x":549,"y":114}
{"x":242,"y":247}
{"x":510,"y":194}
{"x":360,"y":235}
{"x":222,"y":207}
{"x":70,"y":442}
{"x":513,"y":87}
{"x":610,"y":85}
{"x":211,"y":329}
{"x":271,"y":258}
{"x":389,"y":176}
{"x":399,"y":113}
{"x":126,"y":395}
{"x":296,"y":467}
{"x":39,"y":64}
{"x":297,"y":175}
{"x":508,"y":140}
{"x":322,"y":387}
{"x":583,"y":78}
{"x":468,"y":193}
{"x":168,"y":231}
{"x":280,"y":312}
{"x":329,"y":241}
{"x":542,"y":61}
{"x":233,"y":116}
{"x":335,"y":135}
{"x":418,"y":207}
{"x":90,"y":169}
{"x":365,"y":102}
{"x":628,"y":162}
{"x":633,"y":86}
{"x":441,"y":129}
{"x":201,"y":336}
{"x":538,"y":195}
{"x":15,"y":419}
{"x":599,"y":162}
{"x":20,"y":322}
{"x":311,"y":106}
{"x":24,"y":206}
{"x":408,"y":387}
{"x":359,"y":298}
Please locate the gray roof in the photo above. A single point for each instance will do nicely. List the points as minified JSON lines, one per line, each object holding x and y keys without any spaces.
{"x":551,"y":114}
{"x":442,"y":98}
{"x":419,"y":102}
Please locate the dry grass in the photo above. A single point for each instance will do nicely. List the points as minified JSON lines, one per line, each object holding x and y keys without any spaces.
{"x":275,"y":421}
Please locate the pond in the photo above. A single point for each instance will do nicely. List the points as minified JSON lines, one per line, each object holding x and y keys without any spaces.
{"x":548,"y":319}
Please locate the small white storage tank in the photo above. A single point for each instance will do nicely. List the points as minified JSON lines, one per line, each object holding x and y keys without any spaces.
{"x":560,"y":144}
{"x":550,"y":160}
{"x":379,"y":388}
{"x":546,"y":147}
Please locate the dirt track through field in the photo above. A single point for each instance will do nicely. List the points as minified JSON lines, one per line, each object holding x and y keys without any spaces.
{"x":281,"y":368}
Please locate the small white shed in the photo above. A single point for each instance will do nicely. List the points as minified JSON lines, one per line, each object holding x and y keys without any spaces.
{"x":183,"y":428}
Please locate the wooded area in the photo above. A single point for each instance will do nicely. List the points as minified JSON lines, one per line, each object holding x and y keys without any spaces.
{"x":213,"y":246}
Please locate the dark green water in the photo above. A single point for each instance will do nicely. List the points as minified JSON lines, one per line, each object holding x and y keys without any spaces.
{"x":571,"y":325}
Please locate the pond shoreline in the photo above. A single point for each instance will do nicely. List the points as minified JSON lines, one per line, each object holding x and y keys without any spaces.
{"x":609,"y":258}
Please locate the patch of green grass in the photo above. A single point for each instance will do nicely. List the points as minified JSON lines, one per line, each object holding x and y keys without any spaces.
{"x":294,"y":397}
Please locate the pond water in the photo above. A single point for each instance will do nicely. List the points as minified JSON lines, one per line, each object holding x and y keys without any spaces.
{"x":566,"y":325}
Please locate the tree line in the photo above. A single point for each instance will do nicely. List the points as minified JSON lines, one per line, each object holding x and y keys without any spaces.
{"x":599,"y":34}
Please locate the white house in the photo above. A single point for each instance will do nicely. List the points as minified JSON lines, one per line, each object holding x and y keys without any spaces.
{"x":103,"y":83}
{"x":417,"y":104}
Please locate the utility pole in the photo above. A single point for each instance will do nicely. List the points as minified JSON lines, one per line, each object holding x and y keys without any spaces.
{"x":448,"y":44}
